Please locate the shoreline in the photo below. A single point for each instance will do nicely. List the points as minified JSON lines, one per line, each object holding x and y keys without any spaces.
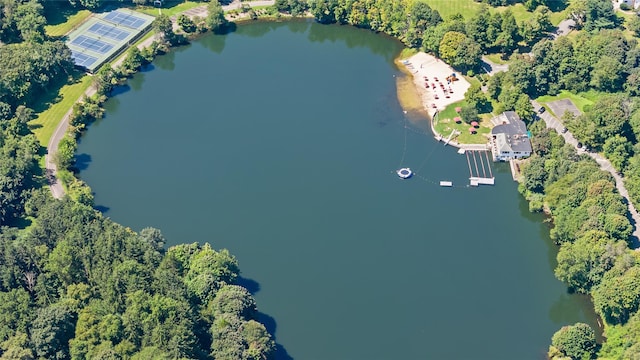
{"x":423,"y":70}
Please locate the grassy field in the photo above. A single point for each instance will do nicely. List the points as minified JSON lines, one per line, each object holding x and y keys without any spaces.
{"x":468,"y":8}
{"x":496,"y":58}
{"x":54,"y":109}
{"x":172,"y":8}
{"x":580,"y":101}
{"x":63,"y":22}
{"x":446,"y":8}
{"x":444,"y":124}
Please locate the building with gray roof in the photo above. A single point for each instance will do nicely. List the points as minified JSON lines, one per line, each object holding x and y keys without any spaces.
{"x":509,"y":139}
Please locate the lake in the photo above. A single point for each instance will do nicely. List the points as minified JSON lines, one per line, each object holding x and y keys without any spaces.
{"x":280,"y":141}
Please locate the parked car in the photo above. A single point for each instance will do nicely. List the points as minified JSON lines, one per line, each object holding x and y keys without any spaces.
{"x":564,"y":130}
{"x":541,"y":110}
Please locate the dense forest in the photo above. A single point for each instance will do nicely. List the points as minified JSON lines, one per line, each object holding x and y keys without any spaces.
{"x":76,"y":285}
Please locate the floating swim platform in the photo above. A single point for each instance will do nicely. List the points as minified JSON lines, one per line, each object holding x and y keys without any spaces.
{"x":404,"y":173}
{"x":446,"y":183}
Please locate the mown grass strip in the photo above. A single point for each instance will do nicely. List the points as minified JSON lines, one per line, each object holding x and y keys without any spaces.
{"x":47,"y":121}
{"x":580,"y":101}
{"x":169,"y":11}
{"x":72,"y":21}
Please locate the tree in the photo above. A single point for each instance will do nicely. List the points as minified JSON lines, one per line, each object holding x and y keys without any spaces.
{"x":535,"y":174}
{"x":209,"y":270}
{"x":469,"y":114}
{"x":15,"y":313}
{"x":459,"y":51}
{"x":30,"y":21}
{"x":17,"y":348}
{"x":535,"y":27}
{"x":186,"y":24}
{"x":618,"y":295}
{"x":509,"y":35}
{"x":632,"y":84}
{"x":576,"y":341}
{"x":477,"y":26}
{"x":633,"y":24}
{"x":582,"y":264}
{"x":215,"y":18}
{"x":163,"y":25}
{"x":324,"y":11}
{"x":476,"y":98}
{"x":51,"y":331}
{"x":233,"y":299}
{"x":523,"y":107}
{"x":431,"y":39}
{"x":618,"y":150}
{"x":599,"y":15}
{"x":608,"y":74}
{"x":623,"y":342}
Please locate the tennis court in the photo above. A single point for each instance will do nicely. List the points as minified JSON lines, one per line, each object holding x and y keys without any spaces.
{"x":110,"y":31}
{"x":126,"y":19}
{"x":92,"y":44}
{"x":104,"y":36}
{"x":82,"y":59}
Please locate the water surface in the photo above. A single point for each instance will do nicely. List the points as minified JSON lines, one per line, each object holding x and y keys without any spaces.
{"x":279,"y":142}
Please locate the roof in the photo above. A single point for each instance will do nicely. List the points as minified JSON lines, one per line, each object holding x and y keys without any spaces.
{"x":512,"y":134}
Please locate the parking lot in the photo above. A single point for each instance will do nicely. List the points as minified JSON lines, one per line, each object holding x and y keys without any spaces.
{"x":559,"y":107}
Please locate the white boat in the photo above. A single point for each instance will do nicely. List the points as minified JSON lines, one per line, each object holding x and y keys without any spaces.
{"x":404,"y":173}
{"x":446,"y":183}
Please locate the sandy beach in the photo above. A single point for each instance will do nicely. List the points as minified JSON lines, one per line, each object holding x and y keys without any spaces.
{"x":430,"y":78}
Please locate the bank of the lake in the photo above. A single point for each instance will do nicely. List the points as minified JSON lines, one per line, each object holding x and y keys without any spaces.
{"x":279,"y":142}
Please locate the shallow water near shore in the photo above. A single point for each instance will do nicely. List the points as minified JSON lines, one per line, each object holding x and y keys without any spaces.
{"x":280,"y":142}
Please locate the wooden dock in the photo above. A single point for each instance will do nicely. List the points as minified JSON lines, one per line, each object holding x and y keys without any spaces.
{"x":478,"y":160}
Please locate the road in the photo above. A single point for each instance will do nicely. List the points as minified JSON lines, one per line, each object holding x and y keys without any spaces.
{"x":564,"y":28}
{"x":553,"y":123}
{"x":51,"y":170}
{"x":492,"y":68}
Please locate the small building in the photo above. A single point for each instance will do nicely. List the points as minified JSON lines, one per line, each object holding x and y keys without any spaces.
{"x":509,"y":139}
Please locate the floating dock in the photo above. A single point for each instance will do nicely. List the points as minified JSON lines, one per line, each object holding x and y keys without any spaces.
{"x":483,"y":174}
{"x":446,"y":183}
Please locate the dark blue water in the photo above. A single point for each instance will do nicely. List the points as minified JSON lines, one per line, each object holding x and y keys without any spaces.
{"x":279,"y":142}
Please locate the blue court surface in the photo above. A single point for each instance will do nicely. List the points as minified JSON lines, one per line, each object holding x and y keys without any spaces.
{"x":92,"y":44}
{"x":110,"y":31}
{"x":125,"y":19}
{"x":81,"y":59}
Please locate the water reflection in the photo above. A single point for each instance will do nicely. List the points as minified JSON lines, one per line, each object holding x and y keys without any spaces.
{"x":564,"y":312}
{"x":215,"y":43}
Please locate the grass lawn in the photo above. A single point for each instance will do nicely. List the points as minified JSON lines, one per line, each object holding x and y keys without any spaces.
{"x":557,"y":17}
{"x":519,"y":12}
{"x":444,"y":125}
{"x":54,"y":109}
{"x":172,"y":9}
{"x":496,"y":58}
{"x":446,"y":8}
{"x":69,"y":22}
{"x":580,"y":101}
{"x":468,"y":8}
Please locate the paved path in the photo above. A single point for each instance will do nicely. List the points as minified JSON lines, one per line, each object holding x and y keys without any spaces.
{"x":553,"y":123}
{"x":564,"y":27}
{"x":51,"y":170}
{"x":492,"y":68}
